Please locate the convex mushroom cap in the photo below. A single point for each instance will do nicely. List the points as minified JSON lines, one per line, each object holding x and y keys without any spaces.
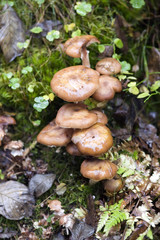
{"x":72,"y":149}
{"x":53,"y":135}
{"x":75,"y":116}
{"x":97,"y":170}
{"x":93,"y":141}
{"x":113,"y":185}
{"x":76,"y":83}
{"x":76,"y":47}
{"x":107,"y":88}
{"x":7,"y":120}
{"x":73,"y":46}
{"x":102,"y":118}
{"x":108,"y":66}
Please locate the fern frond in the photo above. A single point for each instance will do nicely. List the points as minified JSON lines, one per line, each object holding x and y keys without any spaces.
{"x":102,"y":221}
{"x":114,"y":219}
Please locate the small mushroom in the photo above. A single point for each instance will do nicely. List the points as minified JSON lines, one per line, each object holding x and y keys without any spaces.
{"x":108,"y":66}
{"x":75,"y":116}
{"x":93,"y":141}
{"x":107,"y":88}
{"x":97,"y":169}
{"x":76,"y":83}
{"x":73,"y":150}
{"x":76,"y":47}
{"x":7,"y":120}
{"x":53,"y":135}
{"x":102,"y":118}
{"x":113,"y":185}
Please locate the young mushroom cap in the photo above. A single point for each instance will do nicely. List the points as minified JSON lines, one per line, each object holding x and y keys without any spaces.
{"x":102,"y":118}
{"x":72,"y":149}
{"x":113,"y":185}
{"x":73,"y":46}
{"x":97,"y":170}
{"x":75,"y":116}
{"x":108,"y":66}
{"x":53,"y":135}
{"x":7,"y":120}
{"x":107,"y":88}
{"x":76,"y":83}
{"x":93,"y":141}
{"x":76,"y":47}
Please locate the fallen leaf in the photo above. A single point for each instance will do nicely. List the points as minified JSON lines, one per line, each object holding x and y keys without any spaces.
{"x":81,"y":231}
{"x":11,"y":32}
{"x":15,"y":200}
{"x":60,"y":189}
{"x":41,"y":183}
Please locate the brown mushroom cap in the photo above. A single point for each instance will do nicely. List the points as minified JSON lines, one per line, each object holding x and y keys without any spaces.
{"x":107,"y":88}
{"x":102,"y":118}
{"x":75,"y":116}
{"x":73,"y":46}
{"x":72,"y":149}
{"x":108,"y":66}
{"x":113,"y":185}
{"x":53,"y":135}
{"x":98,"y":170}
{"x":93,"y":141}
{"x":7,"y":120}
{"x":76,"y":83}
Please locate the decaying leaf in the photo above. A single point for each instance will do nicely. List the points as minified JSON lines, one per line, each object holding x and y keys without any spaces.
{"x":81,"y":231}
{"x":15,"y":200}
{"x":46,"y":26}
{"x":41,"y":183}
{"x":60,"y":189}
{"x":11,"y":32}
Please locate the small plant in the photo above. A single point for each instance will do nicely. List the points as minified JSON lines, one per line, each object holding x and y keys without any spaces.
{"x":110,"y":216}
{"x":137,"y":3}
{"x":82,"y":8}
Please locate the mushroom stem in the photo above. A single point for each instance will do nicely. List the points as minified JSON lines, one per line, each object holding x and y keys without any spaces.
{"x":85,"y":57}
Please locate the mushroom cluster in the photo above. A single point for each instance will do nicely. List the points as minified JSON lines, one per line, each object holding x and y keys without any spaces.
{"x":83,"y":131}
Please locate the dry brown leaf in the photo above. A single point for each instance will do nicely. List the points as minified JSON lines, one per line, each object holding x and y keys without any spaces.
{"x":11,"y":32}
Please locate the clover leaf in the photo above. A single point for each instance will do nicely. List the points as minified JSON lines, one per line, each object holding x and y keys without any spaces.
{"x":14,"y":83}
{"x":54,"y":34}
{"x":82,"y":8}
{"x":40,"y":104}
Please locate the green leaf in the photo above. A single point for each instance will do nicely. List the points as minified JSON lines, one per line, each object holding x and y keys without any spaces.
{"x":131,"y":84}
{"x":40,"y":1}
{"x":36,"y":30}
{"x":125,"y":66}
{"x":25,"y":44}
{"x":150,"y":234}
{"x":82,"y":8}
{"x":137,"y":3}
{"x":128,"y":173}
{"x":143,"y":95}
{"x":76,"y":33}
{"x":155,"y":86}
{"x":118,"y":42}
{"x":31,"y":88}
{"x":8,"y":75}
{"x":134,"y":90}
{"x":27,"y":69}
{"x":36,"y":123}
{"x":14,"y":83}
{"x":54,"y":34}
{"x":40,"y":104}
{"x":121,"y":77}
{"x":121,"y":170}
{"x":101,"y":48}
